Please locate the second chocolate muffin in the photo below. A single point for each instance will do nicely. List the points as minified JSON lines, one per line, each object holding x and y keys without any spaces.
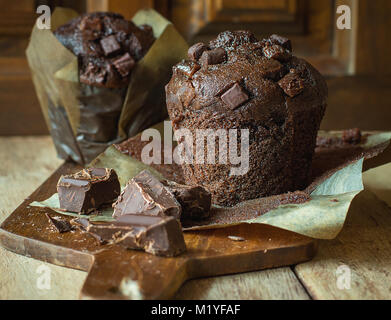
{"x":238,"y":82}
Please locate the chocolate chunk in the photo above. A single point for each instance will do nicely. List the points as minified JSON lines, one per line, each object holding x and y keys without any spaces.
{"x":93,"y":74}
{"x":145,"y":194}
{"x":351,"y":136}
{"x":292,"y":84}
{"x":60,"y":224}
{"x":196,"y":50}
{"x":189,"y":68}
{"x":156,"y":235}
{"x":271,"y":69}
{"x":277,"y":52}
{"x":215,"y":56}
{"x":88,"y":190}
{"x":124,"y":64}
{"x":110,"y":45}
{"x":195,"y":200}
{"x":282,"y":41}
{"x":235,"y":96}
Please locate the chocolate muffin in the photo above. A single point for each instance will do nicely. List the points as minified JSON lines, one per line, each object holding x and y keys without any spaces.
{"x":239,"y":82}
{"x":107,"y":46}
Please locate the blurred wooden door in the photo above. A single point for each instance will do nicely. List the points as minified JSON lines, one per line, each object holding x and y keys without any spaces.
{"x":20,"y":113}
{"x":355,"y":61}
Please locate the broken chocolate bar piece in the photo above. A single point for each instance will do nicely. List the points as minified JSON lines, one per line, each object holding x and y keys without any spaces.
{"x":195,"y":200}
{"x":156,"y":235}
{"x":196,"y":50}
{"x":145,"y":194}
{"x":60,"y":224}
{"x":351,"y":136}
{"x":88,"y":189}
{"x":282,"y":41}
{"x":124,"y":64}
{"x":110,"y":45}
{"x":235,"y":96}
{"x":277,"y":52}
{"x":215,"y":56}
{"x":292,"y":84}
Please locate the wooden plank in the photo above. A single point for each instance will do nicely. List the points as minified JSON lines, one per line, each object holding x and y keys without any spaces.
{"x":363,"y":246}
{"x":26,"y":163}
{"x":273,"y":284}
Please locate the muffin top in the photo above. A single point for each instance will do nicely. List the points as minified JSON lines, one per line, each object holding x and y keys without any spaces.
{"x":239,"y":76}
{"x":107,"y":46}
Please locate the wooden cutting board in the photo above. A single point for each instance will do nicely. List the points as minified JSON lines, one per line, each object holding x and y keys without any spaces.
{"x":117,"y":273}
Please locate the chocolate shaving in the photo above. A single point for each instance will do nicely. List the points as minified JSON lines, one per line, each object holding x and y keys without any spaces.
{"x":60,"y":224}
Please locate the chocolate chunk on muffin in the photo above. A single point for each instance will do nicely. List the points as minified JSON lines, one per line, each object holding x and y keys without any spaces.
{"x":107,"y":46}
{"x":254,"y":85}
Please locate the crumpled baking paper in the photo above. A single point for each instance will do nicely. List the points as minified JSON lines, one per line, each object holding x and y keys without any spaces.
{"x":75,"y":112}
{"x":322,"y":217}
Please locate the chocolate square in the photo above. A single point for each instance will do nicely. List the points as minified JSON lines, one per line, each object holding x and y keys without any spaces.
{"x":196,"y":50}
{"x":235,"y":96}
{"x":196,"y":201}
{"x":88,"y":189}
{"x":110,"y":45}
{"x":282,"y":41}
{"x":145,"y":194}
{"x":124,"y":64}
{"x":277,"y":52}
{"x":292,"y":84}
{"x":211,"y":57}
{"x":156,"y":235}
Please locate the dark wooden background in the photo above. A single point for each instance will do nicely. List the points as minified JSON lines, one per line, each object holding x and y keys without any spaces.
{"x":354,"y":61}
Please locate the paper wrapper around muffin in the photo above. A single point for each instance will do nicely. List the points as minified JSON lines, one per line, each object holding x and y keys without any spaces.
{"x":84,"y":120}
{"x":318,"y":212}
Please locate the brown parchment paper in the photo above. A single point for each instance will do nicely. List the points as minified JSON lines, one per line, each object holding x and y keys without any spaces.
{"x":75,"y":112}
{"x":333,"y":189}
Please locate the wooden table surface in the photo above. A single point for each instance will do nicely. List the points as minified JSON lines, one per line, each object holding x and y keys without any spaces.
{"x":362,"y":250}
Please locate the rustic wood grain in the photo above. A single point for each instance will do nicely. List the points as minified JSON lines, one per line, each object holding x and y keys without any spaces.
{"x":363,"y":246}
{"x":18,"y":274}
{"x":26,"y":163}
{"x":272,"y":284}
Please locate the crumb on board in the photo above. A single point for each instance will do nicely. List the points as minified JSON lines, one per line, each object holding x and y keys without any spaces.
{"x":236,"y":238}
